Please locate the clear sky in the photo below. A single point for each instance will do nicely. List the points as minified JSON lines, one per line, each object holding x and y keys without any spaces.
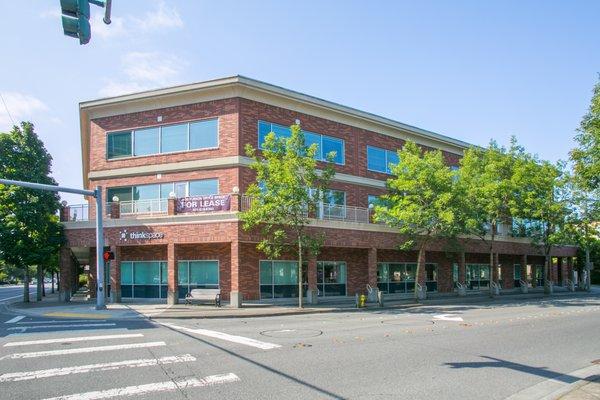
{"x":473,"y":70}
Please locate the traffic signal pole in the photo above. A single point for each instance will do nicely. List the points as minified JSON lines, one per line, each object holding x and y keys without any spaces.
{"x":97,"y":194}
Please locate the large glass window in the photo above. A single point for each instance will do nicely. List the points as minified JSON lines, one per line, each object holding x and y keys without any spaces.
{"x":144,"y":279}
{"x":400,"y":277}
{"x":279,"y":279}
{"x":517,"y":275}
{"x":174,"y":138}
{"x":145,"y":141}
{"x":119,"y":145}
{"x":164,"y":139}
{"x":325,"y":144}
{"x":379,"y":160}
{"x":331,"y":278}
{"x":204,"y":187}
{"x":478,"y":276}
{"x":203,"y":274}
{"x":333,"y":205}
{"x":204,"y":134}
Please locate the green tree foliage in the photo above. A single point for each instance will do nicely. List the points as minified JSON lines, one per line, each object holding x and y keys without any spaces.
{"x":30,"y":233}
{"x":287,"y":189}
{"x":422,"y":201}
{"x":545,"y":200}
{"x":586,"y":157}
{"x":490,"y":183}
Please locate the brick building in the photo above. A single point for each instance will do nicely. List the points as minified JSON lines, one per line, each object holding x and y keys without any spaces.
{"x":152,"y":152}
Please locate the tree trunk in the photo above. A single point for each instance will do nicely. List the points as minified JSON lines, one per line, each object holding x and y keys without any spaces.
{"x":58,"y":281}
{"x":420,"y":266}
{"x":492,"y":266}
{"x":52,"y":276}
{"x":44,"y":285}
{"x":40,"y":282}
{"x":300,"y":298}
{"x":26,"y":284}
{"x":547,"y":262}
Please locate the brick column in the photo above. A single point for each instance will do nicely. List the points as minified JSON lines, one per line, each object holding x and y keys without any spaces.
{"x":66,"y":264}
{"x":372,"y":267}
{"x":236,"y":296}
{"x":494,"y":271}
{"x":235,"y":202}
{"x":171,"y":206}
{"x":115,"y":275}
{"x":92,"y":278}
{"x":172,"y":282}
{"x":311,"y":274}
{"x":115,"y":210}
{"x":560,"y":275}
{"x":65,"y":212}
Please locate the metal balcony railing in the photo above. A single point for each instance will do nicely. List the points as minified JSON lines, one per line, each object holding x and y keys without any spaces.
{"x":143,"y":207}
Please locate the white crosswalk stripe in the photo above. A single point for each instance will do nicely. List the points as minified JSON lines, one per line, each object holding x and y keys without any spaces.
{"x":151,"y":388}
{"x":73,"y":339}
{"x":47,"y":373}
{"x":62,"y":321}
{"x":15,"y":319}
{"x":61,"y":326}
{"x":49,"y":353}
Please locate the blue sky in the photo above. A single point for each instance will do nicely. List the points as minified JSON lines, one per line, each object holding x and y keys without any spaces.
{"x":473,"y":70}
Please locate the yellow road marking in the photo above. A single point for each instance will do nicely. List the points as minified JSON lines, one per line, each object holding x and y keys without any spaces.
{"x":77,"y":315}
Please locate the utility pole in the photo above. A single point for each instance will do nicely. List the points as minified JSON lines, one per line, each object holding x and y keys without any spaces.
{"x":97,"y":194}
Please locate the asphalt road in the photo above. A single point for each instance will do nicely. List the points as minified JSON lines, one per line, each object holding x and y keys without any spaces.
{"x":11,"y":293}
{"x":438,"y":352}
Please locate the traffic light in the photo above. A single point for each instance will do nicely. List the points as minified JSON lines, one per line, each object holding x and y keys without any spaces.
{"x":76,"y":17}
{"x":108,"y":255}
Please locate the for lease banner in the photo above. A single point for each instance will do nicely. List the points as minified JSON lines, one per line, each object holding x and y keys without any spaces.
{"x":213,"y":202}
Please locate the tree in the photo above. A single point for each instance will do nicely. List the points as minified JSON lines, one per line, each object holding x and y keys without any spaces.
{"x":287,"y":189}
{"x":421,"y":202}
{"x":586,"y":157}
{"x":491,"y":192}
{"x":28,"y":216}
{"x":545,"y":203}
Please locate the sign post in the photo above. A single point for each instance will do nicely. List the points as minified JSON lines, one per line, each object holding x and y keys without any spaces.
{"x":97,"y":194}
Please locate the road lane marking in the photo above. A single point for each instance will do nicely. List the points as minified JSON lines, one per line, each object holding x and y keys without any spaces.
{"x":62,"y":321}
{"x":448,"y":317}
{"x":77,"y":315}
{"x":152,"y":388}
{"x":225,"y":336}
{"x":81,"y":369}
{"x":15,"y":319}
{"x":60,"y":326}
{"x":73,"y":339}
{"x":35,"y":354}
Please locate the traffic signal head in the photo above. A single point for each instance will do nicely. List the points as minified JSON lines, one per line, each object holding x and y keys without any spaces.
{"x":108,"y":255}
{"x":76,"y":19}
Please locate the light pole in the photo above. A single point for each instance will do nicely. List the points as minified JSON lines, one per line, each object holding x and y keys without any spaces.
{"x":97,"y":194}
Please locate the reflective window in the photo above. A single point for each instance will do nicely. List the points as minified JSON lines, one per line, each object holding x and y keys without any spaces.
{"x":331,"y":278}
{"x":280,"y":279}
{"x":145,"y":141}
{"x":144,"y":279}
{"x":325,"y":144}
{"x":379,"y":160}
{"x":198,"y":274}
{"x":119,"y":145}
{"x":204,"y":187}
{"x":400,"y":277}
{"x":146,"y":192}
{"x":204,"y":134}
{"x":173,"y":138}
{"x":164,"y":139}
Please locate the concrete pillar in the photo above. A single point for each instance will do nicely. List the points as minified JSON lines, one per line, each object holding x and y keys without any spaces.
{"x":312,"y":294}
{"x":115,"y":275}
{"x":235,"y":296}
{"x":65,"y":265}
{"x":172,"y":278}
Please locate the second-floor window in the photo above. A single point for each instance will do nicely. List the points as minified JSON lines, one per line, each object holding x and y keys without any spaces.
{"x":379,"y":160}
{"x":162,"y":190}
{"x":163,"y":139}
{"x":325,"y":144}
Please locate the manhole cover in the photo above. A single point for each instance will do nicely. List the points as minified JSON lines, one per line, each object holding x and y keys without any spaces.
{"x":292,"y":333}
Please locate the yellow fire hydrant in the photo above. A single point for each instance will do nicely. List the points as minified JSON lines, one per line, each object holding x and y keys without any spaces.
{"x":362,"y":300}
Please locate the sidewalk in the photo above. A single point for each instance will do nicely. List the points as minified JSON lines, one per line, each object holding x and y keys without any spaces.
{"x":589,"y":390}
{"x":80,"y":308}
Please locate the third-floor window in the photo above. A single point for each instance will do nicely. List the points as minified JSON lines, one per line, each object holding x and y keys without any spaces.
{"x":379,"y":160}
{"x":325,"y":144}
{"x":163,"y":139}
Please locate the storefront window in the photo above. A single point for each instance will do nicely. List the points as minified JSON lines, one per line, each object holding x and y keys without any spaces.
{"x":400,"y":277}
{"x":202,"y":274}
{"x":517,"y":275}
{"x":144,"y":279}
{"x":331,"y":278}
{"x":478,"y":276}
{"x":284,"y":279}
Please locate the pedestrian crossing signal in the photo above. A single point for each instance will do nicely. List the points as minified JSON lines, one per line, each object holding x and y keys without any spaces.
{"x":108,"y":255}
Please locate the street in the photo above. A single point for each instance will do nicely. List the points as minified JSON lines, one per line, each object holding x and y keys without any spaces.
{"x":451,"y":352}
{"x":15,"y":292}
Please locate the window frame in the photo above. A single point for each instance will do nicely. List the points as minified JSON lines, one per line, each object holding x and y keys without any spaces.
{"x":320,"y":158}
{"x":188,"y":273}
{"x":387,"y":163}
{"x":133,"y":284}
{"x":187,"y":123}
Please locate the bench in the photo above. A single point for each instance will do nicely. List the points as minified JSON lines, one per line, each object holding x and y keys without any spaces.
{"x":204,"y":294}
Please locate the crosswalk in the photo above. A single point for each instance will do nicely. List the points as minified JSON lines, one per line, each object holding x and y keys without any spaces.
{"x":111,"y":351}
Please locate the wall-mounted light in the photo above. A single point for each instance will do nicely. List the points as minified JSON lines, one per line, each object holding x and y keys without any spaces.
{"x":235,"y":189}
{"x":172,"y":195}
{"x":115,"y":199}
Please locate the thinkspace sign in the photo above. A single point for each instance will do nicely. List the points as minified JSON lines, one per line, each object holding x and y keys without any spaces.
{"x":203,"y":203}
{"x":126,"y":235}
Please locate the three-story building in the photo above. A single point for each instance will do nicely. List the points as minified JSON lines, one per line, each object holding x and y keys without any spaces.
{"x":173,"y":170}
